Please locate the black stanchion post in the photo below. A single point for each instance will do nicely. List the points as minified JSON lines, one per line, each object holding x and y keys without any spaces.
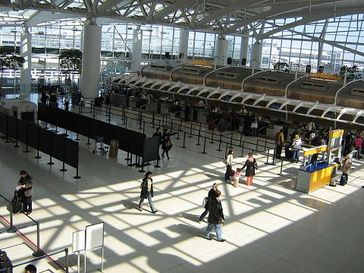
{"x":56,"y":129}
{"x":220,"y":139}
{"x":172,"y":123}
{"x":79,"y":108}
{"x":184,"y":140}
{"x":177,"y":137}
{"x":38,"y":156}
{"x":143,"y":127}
{"x":88,"y":141}
{"x":38,"y":252}
{"x":241,"y":138}
{"x":64,"y":156}
{"x":212,"y":136}
{"x":77,"y":175}
{"x":153,"y":117}
{"x":50,"y":154}
{"x":126,"y":122}
{"x":11,"y":229}
{"x":226,"y":148}
{"x":204,"y":146}
{"x":256,"y":145}
{"x":231,"y":141}
{"x":66,"y":260}
{"x":199,"y":135}
{"x":77,"y":137}
{"x":274,"y":156}
{"x":180,"y":124}
{"x":242,"y":149}
{"x":190,"y":131}
{"x":267,"y":152}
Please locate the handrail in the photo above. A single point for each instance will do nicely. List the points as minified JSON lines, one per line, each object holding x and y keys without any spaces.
{"x":40,"y":258}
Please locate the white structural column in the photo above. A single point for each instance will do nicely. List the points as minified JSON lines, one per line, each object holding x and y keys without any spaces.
{"x":136,"y":54}
{"x":26,"y":53}
{"x":256,"y":57}
{"x":244,"y":46}
{"x":91,"y":50}
{"x":183,"y":44}
{"x":221,"y":50}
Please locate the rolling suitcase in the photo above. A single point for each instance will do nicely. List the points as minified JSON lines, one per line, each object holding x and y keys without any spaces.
{"x":16,"y":203}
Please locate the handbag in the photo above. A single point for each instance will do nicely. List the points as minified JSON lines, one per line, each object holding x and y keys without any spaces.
{"x":204,"y":201}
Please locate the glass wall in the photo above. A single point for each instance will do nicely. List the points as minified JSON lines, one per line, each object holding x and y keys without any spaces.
{"x":341,"y":40}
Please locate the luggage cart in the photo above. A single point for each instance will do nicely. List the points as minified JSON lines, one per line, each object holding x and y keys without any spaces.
{"x":100,"y":147}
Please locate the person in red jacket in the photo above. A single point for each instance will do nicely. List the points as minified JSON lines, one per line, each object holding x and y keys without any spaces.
{"x":358,"y":143}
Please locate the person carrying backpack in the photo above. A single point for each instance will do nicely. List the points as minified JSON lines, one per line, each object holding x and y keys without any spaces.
{"x":146,"y":188}
{"x":25,"y":189}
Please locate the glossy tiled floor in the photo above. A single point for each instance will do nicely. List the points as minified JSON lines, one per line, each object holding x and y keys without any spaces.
{"x":269,"y":228}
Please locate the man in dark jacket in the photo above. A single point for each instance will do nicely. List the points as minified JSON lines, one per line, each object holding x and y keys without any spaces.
{"x":216,"y":217}
{"x":209,"y":196}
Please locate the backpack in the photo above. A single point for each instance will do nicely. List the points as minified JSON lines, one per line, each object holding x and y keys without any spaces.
{"x":16,"y":203}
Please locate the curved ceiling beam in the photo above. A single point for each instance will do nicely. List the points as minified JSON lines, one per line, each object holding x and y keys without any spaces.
{"x":308,"y":19}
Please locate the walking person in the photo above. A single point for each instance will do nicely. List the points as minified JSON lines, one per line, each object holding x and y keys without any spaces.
{"x":147,"y":192}
{"x":345,"y":168}
{"x":250,"y":165}
{"x":216,"y":217}
{"x":279,"y":140}
{"x":229,"y":163}
{"x":358,"y":143}
{"x":166,"y":142}
{"x":25,"y":186}
{"x":209,"y":195}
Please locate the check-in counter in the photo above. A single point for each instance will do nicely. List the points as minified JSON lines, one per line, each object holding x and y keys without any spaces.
{"x":119,"y":100}
{"x":164,"y":107}
{"x":202,"y":116}
{"x":152,"y":107}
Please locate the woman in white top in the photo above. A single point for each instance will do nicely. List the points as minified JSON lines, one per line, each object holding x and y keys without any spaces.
{"x":229,"y":162}
{"x":296,"y":147}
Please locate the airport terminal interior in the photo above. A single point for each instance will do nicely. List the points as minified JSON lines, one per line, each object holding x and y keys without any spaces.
{"x":123,"y":121}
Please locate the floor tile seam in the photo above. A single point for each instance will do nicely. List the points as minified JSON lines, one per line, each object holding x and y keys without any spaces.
{"x":348,"y":263}
{"x":293,"y":264}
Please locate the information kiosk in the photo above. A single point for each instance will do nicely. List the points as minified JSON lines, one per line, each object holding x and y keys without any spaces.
{"x":318,"y":166}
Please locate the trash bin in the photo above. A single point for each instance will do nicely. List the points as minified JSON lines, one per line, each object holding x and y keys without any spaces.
{"x":114,"y":147}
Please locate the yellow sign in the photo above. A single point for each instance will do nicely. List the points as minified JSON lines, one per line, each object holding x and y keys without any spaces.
{"x":203,"y":62}
{"x":315,"y":150}
{"x":336,"y":133}
{"x":324,"y":76}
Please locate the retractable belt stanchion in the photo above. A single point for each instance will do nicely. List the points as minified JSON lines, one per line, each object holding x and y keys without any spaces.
{"x":204,"y":146}
{"x":199,"y":136}
{"x":38,"y":252}
{"x":64,"y":156}
{"x":184,"y":140}
{"x":231,"y":141}
{"x":190,"y":136}
{"x":219,"y":149}
{"x":50,"y":154}
{"x":212,"y":136}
